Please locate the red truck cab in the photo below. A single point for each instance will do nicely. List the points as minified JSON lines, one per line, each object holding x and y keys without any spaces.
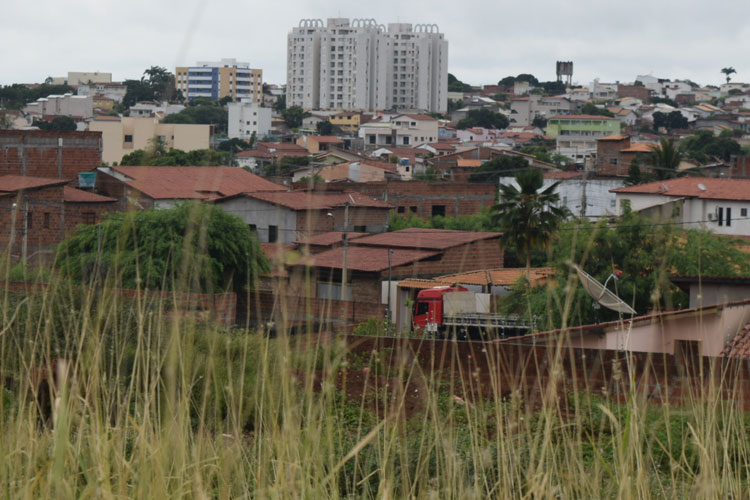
{"x":428,"y":308}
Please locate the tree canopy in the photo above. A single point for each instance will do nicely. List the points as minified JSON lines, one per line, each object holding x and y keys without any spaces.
{"x":665,"y":158}
{"x":210,"y":113}
{"x":704,"y":146}
{"x":501,"y":165}
{"x":592,"y":109}
{"x":194,"y":247}
{"x":456,"y":85}
{"x":16,"y":96}
{"x":483,"y":117}
{"x":156,"y":84}
{"x":528,"y":215}
{"x":670,"y":121}
{"x":647,"y":254}
{"x":157,"y":156}
{"x":57,"y":123}
{"x":293,"y":116}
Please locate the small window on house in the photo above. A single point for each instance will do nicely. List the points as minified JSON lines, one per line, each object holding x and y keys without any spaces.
{"x":273,"y":234}
{"x":360,"y":229}
{"x":253,"y":228}
{"x":401,"y":210}
{"x":720,"y":215}
{"x":29,"y":220}
{"x":743,"y":212}
{"x":47,"y":220}
{"x":438,"y":210}
{"x":128,"y":138}
{"x":413,"y":209}
{"x":729,"y":216}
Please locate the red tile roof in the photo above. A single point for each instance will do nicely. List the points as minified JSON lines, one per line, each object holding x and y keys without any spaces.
{"x":329,"y":238}
{"x":198,"y":183}
{"x":283,"y":146}
{"x":424,"y":238}
{"x":305,"y":200}
{"x":638,"y":147}
{"x":739,"y":346}
{"x":73,"y":195}
{"x":562,"y":174}
{"x":441,"y":145}
{"x":418,"y":116}
{"x":12,"y":183}
{"x":367,"y":259}
{"x":715,"y":189}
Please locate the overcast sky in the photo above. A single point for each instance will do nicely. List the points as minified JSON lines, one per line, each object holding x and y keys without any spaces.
{"x":487,"y":39}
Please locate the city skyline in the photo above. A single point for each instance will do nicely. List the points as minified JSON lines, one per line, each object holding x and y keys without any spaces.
{"x":670,"y":40}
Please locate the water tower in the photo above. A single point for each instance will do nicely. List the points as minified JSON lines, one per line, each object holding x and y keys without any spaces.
{"x":565,"y":69}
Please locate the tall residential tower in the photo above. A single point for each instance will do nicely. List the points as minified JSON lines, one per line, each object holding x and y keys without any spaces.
{"x":359,"y":65}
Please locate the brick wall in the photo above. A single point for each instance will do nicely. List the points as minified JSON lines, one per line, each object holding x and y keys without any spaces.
{"x":636,"y":91}
{"x":317,"y":221}
{"x":483,"y":254}
{"x":53,"y":154}
{"x":221,"y":307}
{"x":502,"y":367}
{"x":85,"y":213}
{"x":38,"y":213}
{"x":609,"y":151}
{"x":419,"y":197}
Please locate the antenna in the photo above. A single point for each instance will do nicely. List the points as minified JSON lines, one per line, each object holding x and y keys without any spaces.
{"x":600,"y":293}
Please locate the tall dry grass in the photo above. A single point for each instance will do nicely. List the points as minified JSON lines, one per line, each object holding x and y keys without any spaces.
{"x":158,"y":406}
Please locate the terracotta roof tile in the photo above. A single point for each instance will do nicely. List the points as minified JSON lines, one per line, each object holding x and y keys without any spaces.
{"x":424,"y":238}
{"x":367,"y":259}
{"x":73,"y":195}
{"x":739,"y":346}
{"x":12,"y":183}
{"x":194,"y":182}
{"x":715,"y":189}
{"x":329,"y":238}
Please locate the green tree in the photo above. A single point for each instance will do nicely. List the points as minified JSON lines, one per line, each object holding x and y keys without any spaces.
{"x":57,"y":123}
{"x":286,"y":166}
{"x":176,"y":158}
{"x":728,"y":71}
{"x":508,"y":81}
{"x":592,"y":109}
{"x":456,"y":85}
{"x":156,"y":84}
{"x":635,"y":175}
{"x":324,"y":127}
{"x":665,"y":158}
{"x":670,"y":121}
{"x":483,"y":118}
{"x":194,"y":247}
{"x":704,"y":146}
{"x":293,"y":116}
{"x":201,"y":113}
{"x":234,"y":145}
{"x":16,"y":96}
{"x":501,"y":165}
{"x":664,"y":100}
{"x":528,"y":216}
{"x":280,"y":105}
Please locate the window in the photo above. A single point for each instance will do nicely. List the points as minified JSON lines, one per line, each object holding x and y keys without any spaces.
{"x":128,"y":138}
{"x":413,"y":209}
{"x":720,"y":215}
{"x":743,"y":212}
{"x":253,"y":228}
{"x":438,"y":210}
{"x":729,"y":216}
{"x":401,"y":210}
{"x":273,"y":234}
{"x":421,"y":308}
{"x":360,"y":229}
{"x":29,"y":220}
{"x":47,"y":220}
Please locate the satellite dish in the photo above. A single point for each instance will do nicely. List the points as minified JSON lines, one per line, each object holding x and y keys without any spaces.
{"x":702,"y":187}
{"x":600,"y":293}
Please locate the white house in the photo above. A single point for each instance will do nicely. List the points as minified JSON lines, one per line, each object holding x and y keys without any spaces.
{"x":720,"y":205}
{"x":246,"y":118}
{"x":400,"y":130}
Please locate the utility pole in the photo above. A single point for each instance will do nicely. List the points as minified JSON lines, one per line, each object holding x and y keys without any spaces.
{"x":25,"y":231}
{"x":344,"y":244}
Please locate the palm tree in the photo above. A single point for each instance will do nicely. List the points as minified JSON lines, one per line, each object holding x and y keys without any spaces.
{"x":728,"y":71}
{"x":527,"y":216}
{"x":665,"y":158}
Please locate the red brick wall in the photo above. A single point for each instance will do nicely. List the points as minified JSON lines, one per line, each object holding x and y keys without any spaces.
{"x":40,"y":212}
{"x":502,"y":367}
{"x":53,"y":154}
{"x":636,"y":91}
{"x":317,"y":221}
{"x":610,"y":150}
{"x":221,"y":307}
{"x":458,"y":198}
{"x":85,"y":213}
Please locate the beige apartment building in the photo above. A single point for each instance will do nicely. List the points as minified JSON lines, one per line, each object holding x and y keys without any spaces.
{"x":215,"y":80}
{"x":121,"y":136}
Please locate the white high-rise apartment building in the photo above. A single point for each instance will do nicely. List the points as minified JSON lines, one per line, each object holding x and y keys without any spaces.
{"x":359,"y":65}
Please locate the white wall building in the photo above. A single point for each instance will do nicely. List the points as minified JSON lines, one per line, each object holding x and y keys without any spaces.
{"x":401,"y":130}
{"x":79,"y":106}
{"x":247,"y":118}
{"x":359,"y":65}
{"x":720,"y":205}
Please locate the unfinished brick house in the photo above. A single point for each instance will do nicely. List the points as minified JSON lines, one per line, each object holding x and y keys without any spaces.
{"x":37,"y":213}
{"x":49,"y":153}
